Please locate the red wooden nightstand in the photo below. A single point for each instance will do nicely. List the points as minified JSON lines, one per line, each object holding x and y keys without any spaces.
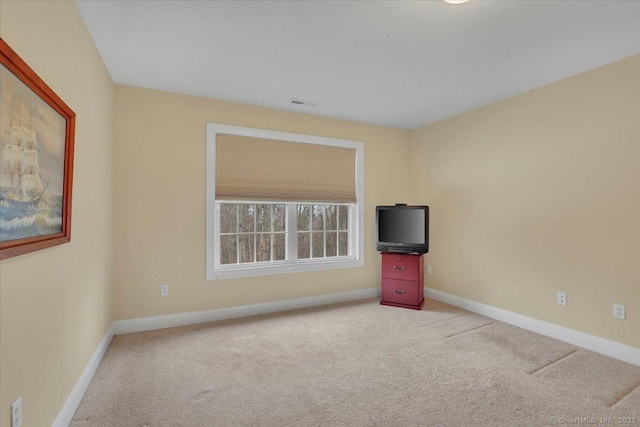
{"x":403,"y":280}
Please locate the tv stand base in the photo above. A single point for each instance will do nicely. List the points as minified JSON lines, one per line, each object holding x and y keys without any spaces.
{"x":402,"y":280}
{"x":397,"y":304}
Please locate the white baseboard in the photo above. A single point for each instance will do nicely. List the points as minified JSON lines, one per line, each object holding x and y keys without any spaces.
{"x":74,"y":399}
{"x":609,"y":348}
{"x":180,"y":319}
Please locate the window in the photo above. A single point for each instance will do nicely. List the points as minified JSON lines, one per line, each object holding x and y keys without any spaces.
{"x":254,"y":233}
{"x":256,"y":225}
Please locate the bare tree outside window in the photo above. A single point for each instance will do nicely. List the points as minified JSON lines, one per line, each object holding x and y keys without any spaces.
{"x":329,"y":226}
{"x":251,"y":232}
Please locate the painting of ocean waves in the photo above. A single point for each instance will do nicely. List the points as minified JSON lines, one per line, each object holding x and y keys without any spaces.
{"x":30,"y":220}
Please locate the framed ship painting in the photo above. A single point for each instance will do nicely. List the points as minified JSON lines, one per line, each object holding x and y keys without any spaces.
{"x":36,"y":160}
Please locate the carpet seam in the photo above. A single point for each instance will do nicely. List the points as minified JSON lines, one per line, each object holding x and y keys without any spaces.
{"x":469,"y":330}
{"x":625,"y":394}
{"x":553,"y":361}
{"x":442,"y":321}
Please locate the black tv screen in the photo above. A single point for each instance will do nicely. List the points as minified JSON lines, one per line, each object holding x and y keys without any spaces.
{"x":402,"y":228}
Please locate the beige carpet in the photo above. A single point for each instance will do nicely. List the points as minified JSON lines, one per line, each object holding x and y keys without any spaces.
{"x":356,"y":364}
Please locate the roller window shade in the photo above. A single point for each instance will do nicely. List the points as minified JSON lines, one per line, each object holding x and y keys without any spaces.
{"x":266,"y":169}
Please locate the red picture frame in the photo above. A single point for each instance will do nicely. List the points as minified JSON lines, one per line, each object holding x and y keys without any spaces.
{"x":12,"y":201}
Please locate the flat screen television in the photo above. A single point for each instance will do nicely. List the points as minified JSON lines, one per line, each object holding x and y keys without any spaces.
{"x":402,"y":228}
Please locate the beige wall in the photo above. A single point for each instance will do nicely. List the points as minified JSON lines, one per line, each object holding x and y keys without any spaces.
{"x":537,"y":194}
{"x":529,"y":196}
{"x":159,"y":202}
{"x":56,"y":304}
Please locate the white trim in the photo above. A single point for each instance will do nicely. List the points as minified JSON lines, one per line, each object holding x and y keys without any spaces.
{"x":215,"y":128}
{"x":212,"y":271}
{"x":604,"y":346}
{"x":358,"y":251}
{"x":75,"y":397}
{"x":191,"y":318}
{"x":314,"y":264}
{"x":210,"y":209}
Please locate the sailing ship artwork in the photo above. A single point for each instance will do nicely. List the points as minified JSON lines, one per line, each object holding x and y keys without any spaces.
{"x":34,"y":160}
{"x":31,"y":162}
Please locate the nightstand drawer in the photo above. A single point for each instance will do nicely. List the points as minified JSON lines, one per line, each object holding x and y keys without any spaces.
{"x":400,"y":266}
{"x":401,"y":291}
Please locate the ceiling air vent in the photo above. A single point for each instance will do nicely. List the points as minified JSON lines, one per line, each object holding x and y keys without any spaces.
{"x":295,"y":101}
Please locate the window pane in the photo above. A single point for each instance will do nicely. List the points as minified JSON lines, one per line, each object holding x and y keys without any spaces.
{"x":246,"y":218}
{"x":279,"y":247}
{"x":332,"y":244}
{"x":246,"y":248}
{"x":316,"y":220}
{"x":317,"y":245}
{"x":263,"y":217}
{"x":331,"y":212}
{"x":228,"y":218}
{"x":343,"y":217}
{"x":303,"y":245}
{"x":343,"y":244}
{"x":263,"y":247}
{"x":304,"y":217}
{"x":228,"y":250}
{"x":279,"y":217}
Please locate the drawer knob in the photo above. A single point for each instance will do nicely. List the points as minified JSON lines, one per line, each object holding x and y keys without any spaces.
{"x":399,"y":268}
{"x":400,"y":292}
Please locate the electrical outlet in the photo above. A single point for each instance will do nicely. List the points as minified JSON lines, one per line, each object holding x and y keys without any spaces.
{"x":562,"y":298}
{"x":16,"y":413}
{"x":164,"y":290}
{"x":428,"y":269}
{"x":619,"y":311}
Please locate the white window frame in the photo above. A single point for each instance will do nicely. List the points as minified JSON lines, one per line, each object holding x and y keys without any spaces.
{"x":356,"y":213}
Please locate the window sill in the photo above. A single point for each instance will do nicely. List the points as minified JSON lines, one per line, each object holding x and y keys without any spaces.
{"x":230,"y":272}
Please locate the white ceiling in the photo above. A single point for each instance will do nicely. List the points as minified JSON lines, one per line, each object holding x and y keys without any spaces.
{"x":392,"y":63}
